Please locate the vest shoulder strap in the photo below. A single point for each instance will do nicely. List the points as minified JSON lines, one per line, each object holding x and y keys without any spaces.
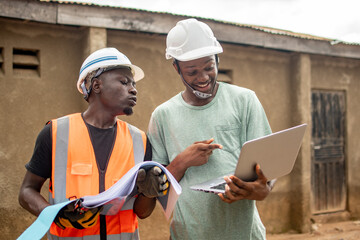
{"x":138,"y":143}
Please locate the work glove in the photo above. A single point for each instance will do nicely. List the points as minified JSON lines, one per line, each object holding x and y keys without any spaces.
{"x":152,"y":182}
{"x":74,"y":216}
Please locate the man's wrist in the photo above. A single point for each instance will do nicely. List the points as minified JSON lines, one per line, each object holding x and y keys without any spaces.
{"x":181,"y":162}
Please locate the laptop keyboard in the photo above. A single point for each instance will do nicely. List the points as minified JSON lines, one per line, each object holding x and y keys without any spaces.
{"x":221,"y":186}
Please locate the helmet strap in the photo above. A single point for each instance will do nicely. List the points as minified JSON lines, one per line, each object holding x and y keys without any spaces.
{"x":197,"y":93}
{"x":87,"y":92}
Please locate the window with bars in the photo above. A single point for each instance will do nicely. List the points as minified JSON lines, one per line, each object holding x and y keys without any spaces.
{"x":26,"y":62}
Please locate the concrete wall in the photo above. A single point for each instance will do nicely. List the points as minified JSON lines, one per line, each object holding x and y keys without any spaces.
{"x":344,"y":75}
{"x":28,"y":102}
{"x":283,"y":83}
{"x":282,"y":80}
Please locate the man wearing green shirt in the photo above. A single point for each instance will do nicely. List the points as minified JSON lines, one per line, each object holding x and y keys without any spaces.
{"x":198,"y":135}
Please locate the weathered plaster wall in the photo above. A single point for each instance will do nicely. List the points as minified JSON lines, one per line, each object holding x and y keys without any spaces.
{"x":267,"y":72}
{"x":344,"y":75}
{"x":26,"y":103}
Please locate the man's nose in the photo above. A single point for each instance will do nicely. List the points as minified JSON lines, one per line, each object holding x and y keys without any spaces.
{"x":133,"y":90}
{"x":203,"y":76}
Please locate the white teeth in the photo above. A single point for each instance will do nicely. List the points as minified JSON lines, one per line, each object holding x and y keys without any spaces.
{"x":203,"y":85}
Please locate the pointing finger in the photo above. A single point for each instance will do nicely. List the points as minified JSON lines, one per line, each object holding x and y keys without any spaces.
{"x":215,"y":146}
{"x":206,"y":141}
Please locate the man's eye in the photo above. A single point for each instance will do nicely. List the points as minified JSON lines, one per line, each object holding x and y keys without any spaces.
{"x":210,"y":68}
{"x":127,"y":82}
{"x":191,"y":73}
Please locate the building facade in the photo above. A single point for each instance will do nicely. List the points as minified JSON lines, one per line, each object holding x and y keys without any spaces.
{"x":298,"y":78}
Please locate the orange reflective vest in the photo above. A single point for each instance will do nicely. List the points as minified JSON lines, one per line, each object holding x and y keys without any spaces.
{"x":75,"y":173}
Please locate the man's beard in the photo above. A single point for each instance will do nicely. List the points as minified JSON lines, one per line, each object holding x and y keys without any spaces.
{"x":128,"y":111}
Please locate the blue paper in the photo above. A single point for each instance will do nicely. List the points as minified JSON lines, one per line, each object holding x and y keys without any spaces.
{"x":42,"y":224}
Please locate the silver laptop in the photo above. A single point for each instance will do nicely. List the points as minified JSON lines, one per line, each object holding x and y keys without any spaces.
{"x":276,"y":153}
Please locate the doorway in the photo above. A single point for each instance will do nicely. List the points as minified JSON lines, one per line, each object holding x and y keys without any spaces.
{"x":328,"y":176}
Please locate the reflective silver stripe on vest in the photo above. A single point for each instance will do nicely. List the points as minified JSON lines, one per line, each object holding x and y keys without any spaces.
{"x":122,"y":236}
{"x":61,"y":155}
{"x":59,"y":181}
{"x":129,"y":204}
{"x":138,"y":144}
{"x":61,"y":158}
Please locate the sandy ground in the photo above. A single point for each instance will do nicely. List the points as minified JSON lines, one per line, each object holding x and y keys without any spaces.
{"x":349,"y":230}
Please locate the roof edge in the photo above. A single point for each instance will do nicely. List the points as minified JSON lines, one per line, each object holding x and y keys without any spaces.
{"x":129,"y":19}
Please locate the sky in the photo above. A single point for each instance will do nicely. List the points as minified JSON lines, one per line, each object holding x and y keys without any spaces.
{"x":334,"y":19}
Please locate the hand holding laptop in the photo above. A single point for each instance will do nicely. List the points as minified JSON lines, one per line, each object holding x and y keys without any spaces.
{"x":276,"y":153}
{"x":236,"y":189}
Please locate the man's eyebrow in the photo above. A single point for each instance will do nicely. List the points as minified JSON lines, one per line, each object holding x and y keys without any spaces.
{"x":205,"y":63}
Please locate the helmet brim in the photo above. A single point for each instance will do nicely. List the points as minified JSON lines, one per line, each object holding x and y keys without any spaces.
{"x":197,"y":53}
{"x":137,"y":72}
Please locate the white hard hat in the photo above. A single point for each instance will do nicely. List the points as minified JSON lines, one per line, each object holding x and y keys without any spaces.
{"x":191,"y":39}
{"x":106,"y":58}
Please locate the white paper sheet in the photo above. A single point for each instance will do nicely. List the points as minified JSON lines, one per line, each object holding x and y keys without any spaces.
{"x":112,"y":199}
{"x":124,"y":188}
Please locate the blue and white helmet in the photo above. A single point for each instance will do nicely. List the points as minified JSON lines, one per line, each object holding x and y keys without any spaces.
{"x":106,"y":58}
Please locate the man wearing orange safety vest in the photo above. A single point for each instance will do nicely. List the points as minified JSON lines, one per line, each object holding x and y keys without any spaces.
{"x":86,"y":153}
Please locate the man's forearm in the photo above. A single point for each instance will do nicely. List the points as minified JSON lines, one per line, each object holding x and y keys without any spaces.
{"x":144,"y":206}
{"x":32,"y":201}
{"x":177,"y":168}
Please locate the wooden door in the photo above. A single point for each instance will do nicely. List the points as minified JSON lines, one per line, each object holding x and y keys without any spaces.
{"x":328,"y":176}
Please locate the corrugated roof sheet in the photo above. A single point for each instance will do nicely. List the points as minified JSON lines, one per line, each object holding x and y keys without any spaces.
{"x":255,"y":27}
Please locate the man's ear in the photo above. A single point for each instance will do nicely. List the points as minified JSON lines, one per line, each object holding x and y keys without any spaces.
{"x":95,"y":85}
{"x":176,"y":67}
